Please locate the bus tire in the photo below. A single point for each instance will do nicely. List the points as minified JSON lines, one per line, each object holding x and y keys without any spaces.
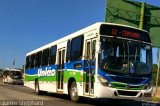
{"x":38,"y":92}
{"x":73,"y":92}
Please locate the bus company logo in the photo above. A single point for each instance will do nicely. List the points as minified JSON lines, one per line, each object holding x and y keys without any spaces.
{"x":46,"y":72}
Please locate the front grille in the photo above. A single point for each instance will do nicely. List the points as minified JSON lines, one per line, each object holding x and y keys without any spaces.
{"x":120,"y":85}
{"x":127,"y":93}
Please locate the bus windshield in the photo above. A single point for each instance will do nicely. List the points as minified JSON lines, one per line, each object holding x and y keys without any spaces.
{"x":15,"y":74}
{"x":12,"y":74}
{"x":120,"y":56}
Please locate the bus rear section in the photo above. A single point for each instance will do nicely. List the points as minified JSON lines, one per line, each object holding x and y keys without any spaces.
{"x":12,"y":76}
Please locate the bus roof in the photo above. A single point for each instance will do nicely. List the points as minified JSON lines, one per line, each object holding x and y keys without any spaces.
{"x":11,"y":69}
{"x":80,"y":32}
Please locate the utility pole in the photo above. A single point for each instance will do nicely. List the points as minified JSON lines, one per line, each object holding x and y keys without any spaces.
{"x":142,"y":15}
{"x":14,"y":63}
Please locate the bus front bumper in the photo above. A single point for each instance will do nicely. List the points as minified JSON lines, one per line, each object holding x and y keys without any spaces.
{"x":17,"y":81}
{"x":109,"y":92}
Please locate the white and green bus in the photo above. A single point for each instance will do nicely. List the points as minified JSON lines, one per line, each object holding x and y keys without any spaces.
{"x":104,"y":60}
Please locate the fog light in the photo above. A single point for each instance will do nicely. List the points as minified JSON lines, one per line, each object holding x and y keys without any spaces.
{"x":147,"y":94}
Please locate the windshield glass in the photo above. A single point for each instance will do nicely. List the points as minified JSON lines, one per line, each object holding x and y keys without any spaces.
{"x":15,"y":74}
{"x":119,"y":56}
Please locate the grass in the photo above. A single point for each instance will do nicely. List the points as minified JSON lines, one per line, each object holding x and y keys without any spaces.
{"x":155,"y":99}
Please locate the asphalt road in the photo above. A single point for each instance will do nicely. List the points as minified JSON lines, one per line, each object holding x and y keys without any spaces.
{"x":18,"y":95}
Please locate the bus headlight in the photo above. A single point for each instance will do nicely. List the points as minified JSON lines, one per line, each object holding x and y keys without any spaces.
{"x":146,"y":86}
{"x":103,"y":81}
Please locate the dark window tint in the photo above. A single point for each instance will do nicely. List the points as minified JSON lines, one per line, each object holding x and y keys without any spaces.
{"x":32,"y":61}
{"x":68,"y":51}
{"x":45,"y":57}
{"x":53,"y":51}
{"x":38,"y":59}
{"x":93,"y":49}
{"x":76,"y":48}
{"x":27,"y":62}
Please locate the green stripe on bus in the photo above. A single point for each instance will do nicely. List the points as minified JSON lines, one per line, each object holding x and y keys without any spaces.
{"x":120,"y":85}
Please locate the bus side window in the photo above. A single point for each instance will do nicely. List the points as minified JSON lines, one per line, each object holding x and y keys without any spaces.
{"x":77,"y":48}
{"x":68,"y":51}
{"x":45,"y":57}
{"x":32,"y":61}
{"x":93,"y":52}
{"x":27,"y":62}
{"x":52,"y":58}
{"x":38,"y":59}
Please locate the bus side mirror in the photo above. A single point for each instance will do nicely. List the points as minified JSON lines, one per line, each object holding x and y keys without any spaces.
{"x":98,"y":47}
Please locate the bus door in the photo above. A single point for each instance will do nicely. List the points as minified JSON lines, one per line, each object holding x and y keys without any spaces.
{"x":60,"y":71}
{"x":90,"y":66}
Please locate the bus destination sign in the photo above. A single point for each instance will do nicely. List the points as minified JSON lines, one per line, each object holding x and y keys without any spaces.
{"x":125,"y":32}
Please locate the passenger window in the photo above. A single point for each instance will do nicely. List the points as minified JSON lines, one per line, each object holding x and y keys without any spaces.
{"x":32,"y":61}
{"x":52,"y":58}
{"x":68,"y":51}
{"x":77,"y":48}
{"x":27,"y":62}
{"x":93,"y":49}
{"x":38,"y":59}
{"x":45,"y":57}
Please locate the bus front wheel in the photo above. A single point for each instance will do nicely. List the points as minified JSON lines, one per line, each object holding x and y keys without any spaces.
{"x":74,"y":92}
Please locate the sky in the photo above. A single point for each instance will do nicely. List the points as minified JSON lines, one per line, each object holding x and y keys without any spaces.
{"x":29,"y":24}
